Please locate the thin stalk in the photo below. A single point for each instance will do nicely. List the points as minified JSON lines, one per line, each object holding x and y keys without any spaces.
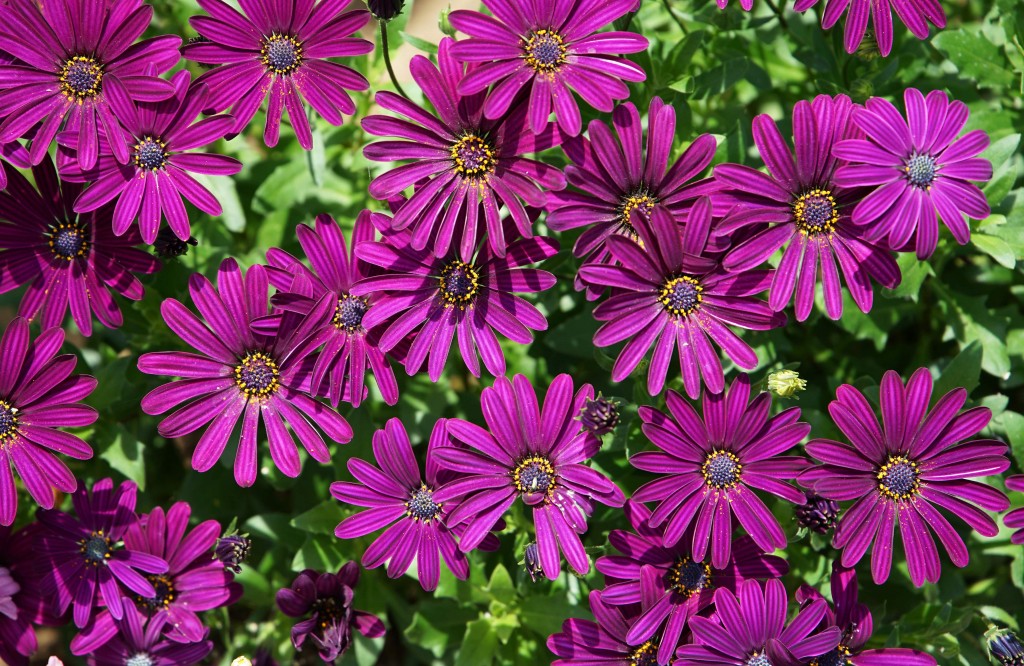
{"x":672,"y":15}
{"x":778,"y":13}
{"x":387,"y":58}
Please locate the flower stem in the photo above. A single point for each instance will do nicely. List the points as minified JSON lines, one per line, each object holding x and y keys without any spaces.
{"x":778,"y":12}
{"x":672,"y":15}
{"x":387,"y":58}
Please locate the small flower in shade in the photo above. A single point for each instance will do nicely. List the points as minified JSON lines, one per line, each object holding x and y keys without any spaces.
{"x":1005,"y":646}
{"x":786,"y":383}
{"x":670,"y":582}
{"x":600,"y":415}
{"x":474,"y":165}
{"x":400,"y":498}
{"x":549,"y":48}
{"x":531,"y":452}
{"x":13,"y":151}
{"x":803,"y":205}
{"x":326,"y":599}
{"x":69,"y":261}
{"x":671,"y":292}
{"x":385,"y":10}
{"x":231,"y":550}
{"x":72,"y":56}
{"x":617,"y":174}
{"x":39,"y":394}
{"x":1015,"y":519}
{"x":853,"y":619}
{"x":531,"y":561}
{"x":919,"y":167}
{"x":169,"y":245}
{"x":22,"y":603}
{"x":903,"y":472}
{"x":240,"y":374}
{"x":279,"y":50}
{"x":710,"y":468}
{"x":161,"y":138}
{"x":142,"y":642}
{"x":817,"y":513}
{"x":915,"y":14}
{"x":349,"y":350}
{"x":586,"y":643}
{"x":445,"y":300}
{"x":749,"y":629}
{"x":83,"y":558}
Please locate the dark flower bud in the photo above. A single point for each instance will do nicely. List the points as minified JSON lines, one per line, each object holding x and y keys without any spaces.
{"x":600,"y":415}
{"x":385,"y":10}
{"x":169,"y":245}
{"x":1006,"y":647}
{"x":817,"y":513}
{"x":531,"y":559}
{"x":232,"y":550}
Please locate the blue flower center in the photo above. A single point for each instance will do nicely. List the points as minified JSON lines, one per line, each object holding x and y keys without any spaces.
{"x":688,"y":577}
{"x":544,"y":51}
{"x":816,"y":212}
{"x":681,"y":296}
{"x":535,"y":475}
{"x":67,"y":240}
{"x":350,"y":311}
{"x":721,"y":469}
{"x":421,"y":505}
{"x":645,"y":655}
{"x":473,"y":156}
{"x":898,"y":478}
{"x":459,"y":283}
{"x":80,"y":78}
{"x":281,"y":54}
{"x":96,"y":549}
{"x":758,"y":659}
{"x":836,"y":657}
{"x":150,"y":154}
{"x":920,"y":170}
{"x":8,"y":422}
{"x":139,"y":659}
{"x":257,"y":375}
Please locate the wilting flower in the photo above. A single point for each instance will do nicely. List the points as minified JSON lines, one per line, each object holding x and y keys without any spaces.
{"x":550,"y":48}
{"x":1005,"y":646}
{"x":72,"y":56}
{"x":327,"y":599}
{"x":671,"y":293}
{"x":915,"y":14}
{"x":231,"y":550}
{"x":84,"y":559}
{"x":444,"y":299}
{"x":21,"y":603}
{"x":142,"y":641}
{"x":599,"y":415}
{"x":749,"y":628}
{"x":38,"y":395}
{"x":673,"y":583}
{"x":711,"y":468}
{"x":919,"y":168}
{"x":808,"y":209}
{"x":1015,"y":519}
{"x":583,"y":642}
{"x":240,"y":374}
{"x":399,"y":496}
{"x":817,"y":513}
{"x":474,"y":165}
{"x":279,"y":50}
{"x":533,"y":452}
{"x":70,"y":261}
{"x":903,"y":472}
{"x":349,"y":349}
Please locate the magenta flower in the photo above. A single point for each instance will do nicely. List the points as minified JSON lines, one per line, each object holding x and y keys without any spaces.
{"x":915,"y":14}
{"x":240,"y":374}
{"x":142,"y":641}
{"x":531,"y":452}
{"x":747,"y":5}
{"x":904,"y":471}
{"x":279,"y":50}
{"x":468,"y":166}
{"x":1015,"y":519}
{"x":549,"y":48}
{"x":919,"y":168}
{"x":22,"y":603}
{"x":586,"y":643}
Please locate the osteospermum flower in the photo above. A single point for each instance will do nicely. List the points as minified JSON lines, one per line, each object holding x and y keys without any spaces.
{"x":398,"y":495}
{"x":38,"y":395}
{"x":72,"y":54}
{"x":21,"y":603}
{"x":671,"y":293}
{"x":584,"y":642}
{"x":618,"y":174}
{"x":712,"y":467}
{"x":445,"y":299}
{"x":280,"y":50}
{"x":474,"y":165}
{"x":1015,"y":519}
{"x":915,"y":14}
{"x":70,"y":261}
{"x":807,"y":208}
{"x":903,"y":472}
{"x":12,"y":151}
{"x":920,"y":168}
{"x":83,"y":558}
{"x":240,"y":374}
{"x":349,"y":350}
{"x":550,"y":48}
{"x":143,"y":641}
{"x":530,"y":452}
{"x":673,"y":583}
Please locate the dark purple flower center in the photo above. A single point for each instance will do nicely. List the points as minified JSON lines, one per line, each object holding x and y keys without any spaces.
{"x":67,"y":240}
{"x":758,"y":659}
{"x":95,"y":549}
{"x":328,"y":611}
{"x":681,"y":295}
{"x":722,"y":469}
{"x":638,"y":200}
{"x":459,"y":283}
{"x":281,"y":54}
{"x":165,"y":594}
{"x":80,"y":78}
{"x":817,"y":513}
{"x":898,"y":478}
{"x":544,"y":51}
{"x":688,"y":577}
{"x":535,"y":475}
{"x":836,"y":657}
{"x":140,"y":659}
{"x":816,"y":212}
{"x":473,"y":156}
{"x":257,"y":375}
{"x":920,"y":170}
{"x":8,"y":422}
{"x":232,"y":550}
{"x":645,"y":655}
{"x":421,"y":505}
{"x":150,"y":153}
{"x":348,"y":316}
{"x":600,"y":415}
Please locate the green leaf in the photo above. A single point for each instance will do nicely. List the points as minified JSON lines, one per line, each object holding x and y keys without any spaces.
{"x":419,"y":44}
{"x":963,"y":371}
{"x":996,"y":248}
{"x":126,"y":454}
{"x":975,"y":57}
{"x":501,"y":586}
{"x":479,"y":644}
{"x":321,"y":519}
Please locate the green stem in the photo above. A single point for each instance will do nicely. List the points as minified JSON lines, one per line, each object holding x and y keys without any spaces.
{"x":778,"y":13}
{"x":387,"y":58}
{"x":672,"y":14}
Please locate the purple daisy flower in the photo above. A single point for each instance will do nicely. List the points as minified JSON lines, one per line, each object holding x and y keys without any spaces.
{"x":1015,"y":519}
{"x":710,"y":469}
{"x":915,"y":14}
{"x":161,"y":138}
{"x":38,"y":395}
{"x":672,"y":293}
{"x":919,"y":167}
{"x":533,"y":452}
{"x":399,"y":496}
{"x":142,"y":641}
{"x":238,"y":373}
{"x":72,"y":55}
{"x":904,"y":471}
{"x":326,"y":599}
{"x":69,"y":260}
{"x":551,"y":48}
{"x":749,"y":629}
{"x":22,"y":603}
{"x":747,"y":5}
{"x":12,"y":151}
{"x":474,"y":165}
{"x":444,"y":299}
{"x":587,"y":643}
{"x":83,"y":558}
{"x":349,"y":349}
{"x":808,"y":209}
{"x":618,"y":174}
{"x":680,"y":585}
{"x":279,"y":50}
{"x":854,"y":621}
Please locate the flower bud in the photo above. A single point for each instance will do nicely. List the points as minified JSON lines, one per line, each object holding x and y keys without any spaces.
{"x":786,"y":383}
{"x":600,"y":415}
{"x":817,"y":513}
{"x":232,"y":550}
{"x":385,"y":10}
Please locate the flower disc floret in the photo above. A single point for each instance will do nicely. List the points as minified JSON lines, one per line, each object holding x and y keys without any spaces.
{"x":544,"y":51}
{"x":81,"y":77}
